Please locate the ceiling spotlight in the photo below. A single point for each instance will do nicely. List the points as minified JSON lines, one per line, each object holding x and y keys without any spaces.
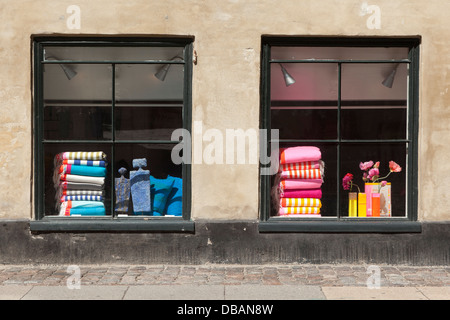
{"x":288,"y":79}
{"x":389,"y":81}
{"x":68,"y":70}
{"x":162,"y":72}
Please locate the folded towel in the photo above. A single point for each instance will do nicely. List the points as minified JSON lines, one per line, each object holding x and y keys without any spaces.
{"x":82,"y":179}
{"x":63,"y":192}
{"x":66,"y":205}
{"x":82,"y":192}
{"x":302,"y":174}
{"x":302,"y":165}
{"x":300,"y":202}
{"x":300,"y":154}
{"x":81,"y":198}
{"x":287,"y":184}
{"x":298,"y":210}
{"x":82,"y":170}
{"x":302,"y":215}
{"x":93,"y":163}
{"x":302,"y":193}
{"x":81,"y":155}
{"x":99,"y":211}
{"x":68,"y":185}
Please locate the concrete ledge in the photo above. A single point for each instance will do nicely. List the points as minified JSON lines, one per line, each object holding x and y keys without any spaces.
{"x":229,"y":242}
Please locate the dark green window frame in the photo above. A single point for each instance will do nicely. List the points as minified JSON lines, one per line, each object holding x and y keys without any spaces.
{"x":43,"y":223}
{"x":367,"y":225}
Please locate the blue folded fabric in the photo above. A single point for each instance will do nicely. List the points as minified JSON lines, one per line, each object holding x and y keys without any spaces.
{"x":160,"y":189}
{"x":88,"y":171}
{"x":175,"y":200}
{"x":87,"y":204}
{"x":99,"y":211}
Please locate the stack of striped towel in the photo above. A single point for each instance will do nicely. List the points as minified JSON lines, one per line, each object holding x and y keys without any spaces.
{"x":79,"y":180}
{"x":299,"y":181}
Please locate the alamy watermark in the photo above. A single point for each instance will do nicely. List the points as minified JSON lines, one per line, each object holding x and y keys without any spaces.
{"x":374,"y":279}
{"x":229,"y":146}
{"x":73,"y":22}
{"x":74,"y":280}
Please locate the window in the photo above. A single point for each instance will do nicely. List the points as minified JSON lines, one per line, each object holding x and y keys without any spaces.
{"x":340,"y":102}
{"x":104,"y":112}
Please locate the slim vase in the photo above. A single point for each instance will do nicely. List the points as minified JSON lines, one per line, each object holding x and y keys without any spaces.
{"x":362,"y":204}
{"x":352,"y":204}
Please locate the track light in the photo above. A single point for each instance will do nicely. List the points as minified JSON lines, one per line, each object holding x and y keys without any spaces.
{"x":389,"y":81}
{"x":68,"y":70}
{"x":288,"y":79}
{"x":162,"y":72}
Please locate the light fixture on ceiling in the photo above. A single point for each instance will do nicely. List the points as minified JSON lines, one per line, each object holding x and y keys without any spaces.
{"x":288,"y":79}
{"x":162,"y":72}
{"x":68,"y":70}
{"x":389,"y":81}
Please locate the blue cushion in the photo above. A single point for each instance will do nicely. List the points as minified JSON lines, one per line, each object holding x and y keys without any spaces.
{"x":160,"y":189}
{"x":175,"y":201}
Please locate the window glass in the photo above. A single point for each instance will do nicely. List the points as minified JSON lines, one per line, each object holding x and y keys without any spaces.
{"x":306,"y":109}
{"x":112,"y":53}
{"x":334,"y":115}
{"x":105,"y":149}
{"x":371,"y":109}
{"x":77,"y":101}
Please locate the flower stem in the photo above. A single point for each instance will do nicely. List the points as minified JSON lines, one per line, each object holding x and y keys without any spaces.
{"x":355,"y":185}
{"x":383,"y":177}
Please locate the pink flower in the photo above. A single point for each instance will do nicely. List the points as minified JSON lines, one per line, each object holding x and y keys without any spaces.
{"x":373,"y":174}
{"x":383,"y":183}
{"x":366,"y":165}
{"x":394,"y":167}
{"x":377,"y":164}
{"x":347,"y":181}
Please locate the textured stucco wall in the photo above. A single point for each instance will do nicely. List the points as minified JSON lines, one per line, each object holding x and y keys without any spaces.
{"x":225,"y":80}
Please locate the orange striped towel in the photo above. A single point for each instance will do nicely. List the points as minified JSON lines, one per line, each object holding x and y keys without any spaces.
{"x":300,"y":202}
{"x":302,"y":174}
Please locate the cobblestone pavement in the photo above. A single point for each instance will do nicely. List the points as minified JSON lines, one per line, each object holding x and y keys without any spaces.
{"x":302,"y":275}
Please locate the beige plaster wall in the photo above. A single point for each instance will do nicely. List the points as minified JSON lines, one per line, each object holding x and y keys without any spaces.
{"x":225,"y":80}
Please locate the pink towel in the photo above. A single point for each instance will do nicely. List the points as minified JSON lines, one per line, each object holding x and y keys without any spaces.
{"x":300,"y":154}
{"x":302,"y":193}
{"x":288,"y":184}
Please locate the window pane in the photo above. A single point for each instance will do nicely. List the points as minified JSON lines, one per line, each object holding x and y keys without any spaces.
{"x":166,"y":177}
{"x":67,"y":177}
{"x":79,"y":108}
{"x":353,"y":154}
{"x":306,"y":109}
{"x":370,"y":110}
{"x":146,"y":107}
{"x":143,"y":123}
{"x":112,"y":53}
{"x":138,"y":83}
{"x":341,"y":53}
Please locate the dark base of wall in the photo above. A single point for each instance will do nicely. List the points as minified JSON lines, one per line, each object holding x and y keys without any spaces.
{"x":223,"y":242}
